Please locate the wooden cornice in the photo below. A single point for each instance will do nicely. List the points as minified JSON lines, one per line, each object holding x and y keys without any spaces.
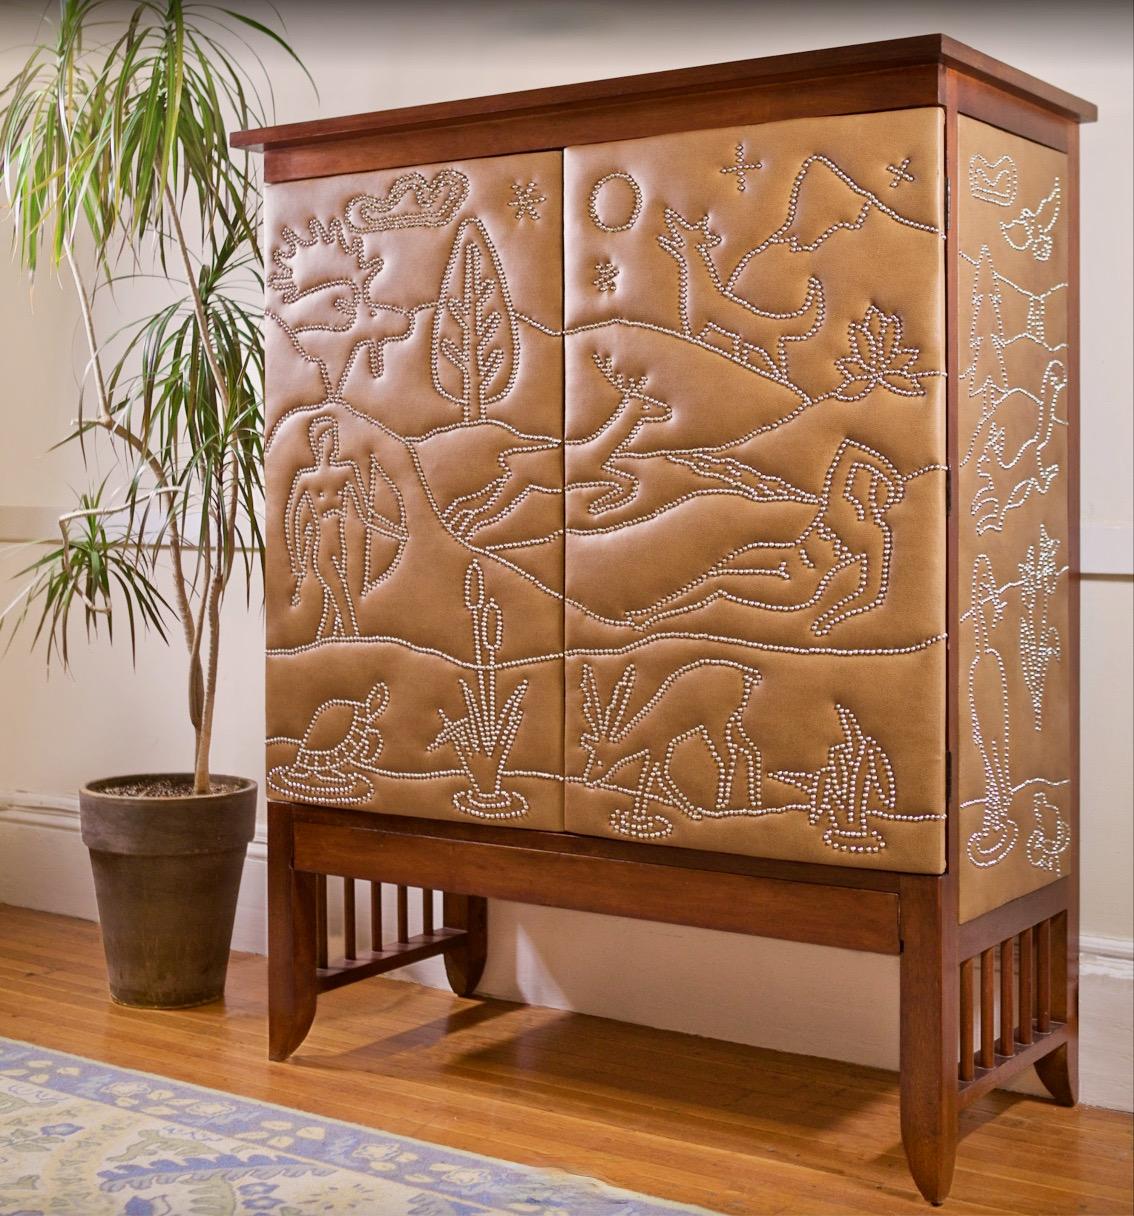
{"x":894,"y":56}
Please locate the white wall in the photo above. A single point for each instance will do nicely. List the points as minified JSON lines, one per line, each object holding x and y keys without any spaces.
{"x":106,"y":717}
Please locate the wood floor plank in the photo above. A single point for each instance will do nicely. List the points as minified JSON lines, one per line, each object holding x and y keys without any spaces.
{"x":736,"y":1129}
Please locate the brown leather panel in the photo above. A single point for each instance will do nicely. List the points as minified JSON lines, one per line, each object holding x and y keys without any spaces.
{"x":754,"y":464}
{"x":1013,"y":589}
{"x":414,"y":504}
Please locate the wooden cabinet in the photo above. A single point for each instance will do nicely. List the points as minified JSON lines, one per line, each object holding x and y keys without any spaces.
{"x":672,"y":512}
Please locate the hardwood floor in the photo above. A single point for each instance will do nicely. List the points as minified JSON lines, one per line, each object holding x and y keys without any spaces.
{"x":735,"y":1129}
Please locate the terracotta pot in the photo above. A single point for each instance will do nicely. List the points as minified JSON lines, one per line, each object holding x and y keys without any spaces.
{"x":167,"y":873}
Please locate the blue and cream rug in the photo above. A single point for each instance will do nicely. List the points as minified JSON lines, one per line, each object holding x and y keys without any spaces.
{"x":80,"y":1138}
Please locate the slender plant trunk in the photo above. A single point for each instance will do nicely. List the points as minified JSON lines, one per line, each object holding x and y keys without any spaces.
{"x":201,"y":784}
{"x":220,"y":565}
{"x":193,"y":629}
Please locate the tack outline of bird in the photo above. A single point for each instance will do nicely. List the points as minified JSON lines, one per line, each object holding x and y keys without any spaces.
{"x":1036,"y":225}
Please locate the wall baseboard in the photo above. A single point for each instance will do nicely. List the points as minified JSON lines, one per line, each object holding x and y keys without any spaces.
{"x":626,"y":969}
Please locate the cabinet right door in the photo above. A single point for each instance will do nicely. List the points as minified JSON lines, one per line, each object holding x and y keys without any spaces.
{"x":1015,"y":759}
{"x":754,"y":469}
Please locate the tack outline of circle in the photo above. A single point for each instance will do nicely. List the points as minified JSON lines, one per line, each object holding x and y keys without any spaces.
{"x":635,"y":211}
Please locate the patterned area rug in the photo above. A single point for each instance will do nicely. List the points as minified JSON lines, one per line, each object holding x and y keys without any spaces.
{"x":80,"y":1138}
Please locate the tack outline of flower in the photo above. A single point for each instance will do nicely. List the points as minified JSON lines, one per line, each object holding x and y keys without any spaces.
{"x":878,"y":358}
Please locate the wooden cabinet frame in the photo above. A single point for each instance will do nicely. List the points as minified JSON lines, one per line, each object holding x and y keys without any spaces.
{"x":1026,"y":950}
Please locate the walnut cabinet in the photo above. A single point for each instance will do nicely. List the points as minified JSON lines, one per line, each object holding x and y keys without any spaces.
{"x":672,"y":511}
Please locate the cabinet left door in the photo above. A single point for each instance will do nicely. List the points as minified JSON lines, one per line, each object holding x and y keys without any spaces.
{"x":414,"y":522}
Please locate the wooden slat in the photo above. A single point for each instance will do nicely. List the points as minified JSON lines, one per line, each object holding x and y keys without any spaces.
{"x":426,"y":910}
{"x":966,"y":1067}
{"x":1007,"y":998}
{"x":1043,"y":976}
{"x":848,"y":917}
{"x":350,"y":945}
{"x":376,"y":934}
{"x":1025,"y":1031}
{"x":321,"y":933}
{"x":403,"y":913}
{"x":1064,"y":946}
{"x":988,"y":1009}
{"x":1035,"y":974}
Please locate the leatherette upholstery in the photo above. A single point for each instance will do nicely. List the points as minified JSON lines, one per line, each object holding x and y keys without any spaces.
{"x":1013,"y":584}
{"x":740,"y":421}
{"x":754,"y":468}
{"x":414,"y":560}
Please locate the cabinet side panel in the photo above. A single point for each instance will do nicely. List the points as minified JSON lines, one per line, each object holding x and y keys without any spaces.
{"x":414,"y":490}
{"x":754,"y":461}
{"x":1014,"y":764}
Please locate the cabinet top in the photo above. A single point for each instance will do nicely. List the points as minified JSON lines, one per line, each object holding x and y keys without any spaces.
{"x":901,"y":73}
{"x":892,"y":55}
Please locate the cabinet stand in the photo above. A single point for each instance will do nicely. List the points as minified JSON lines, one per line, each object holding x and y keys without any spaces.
{"x":979,"y":1002}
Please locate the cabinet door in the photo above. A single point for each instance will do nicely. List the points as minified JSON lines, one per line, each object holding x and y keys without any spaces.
{"x":1014,"y":760}
{"x":414,"y":514}
{"x":755,"y":490}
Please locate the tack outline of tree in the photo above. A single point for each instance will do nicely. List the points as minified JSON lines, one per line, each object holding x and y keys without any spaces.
{"x":474,"y":359}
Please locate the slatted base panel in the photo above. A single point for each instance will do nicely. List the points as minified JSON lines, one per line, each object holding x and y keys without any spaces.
{"x":384,"y":947}
{"x":1014,"y":1006}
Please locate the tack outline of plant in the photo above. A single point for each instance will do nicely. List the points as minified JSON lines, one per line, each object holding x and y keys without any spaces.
{"x":484,"y":737}
{"x":856,"y":782}
{"x":475,"y":353}
{"x":1040,"y":643}
{"x":878,"y":359}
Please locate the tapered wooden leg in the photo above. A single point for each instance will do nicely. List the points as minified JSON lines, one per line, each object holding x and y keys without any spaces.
{"x":464,"y":964}
{"x":930,"y":1008}
{"x":291,"y":941}
{"x":1059,"y":1071}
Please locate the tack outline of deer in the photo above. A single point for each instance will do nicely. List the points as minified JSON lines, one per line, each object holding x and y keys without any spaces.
{"x":708,"y":305}
{"x":597,"y":461}
{"x":631,"y":741}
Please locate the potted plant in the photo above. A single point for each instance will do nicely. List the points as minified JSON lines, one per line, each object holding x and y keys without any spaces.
{"x":116,"y":165}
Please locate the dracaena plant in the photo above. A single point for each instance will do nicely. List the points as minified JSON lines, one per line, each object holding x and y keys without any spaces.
{"x":116,"y":165}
